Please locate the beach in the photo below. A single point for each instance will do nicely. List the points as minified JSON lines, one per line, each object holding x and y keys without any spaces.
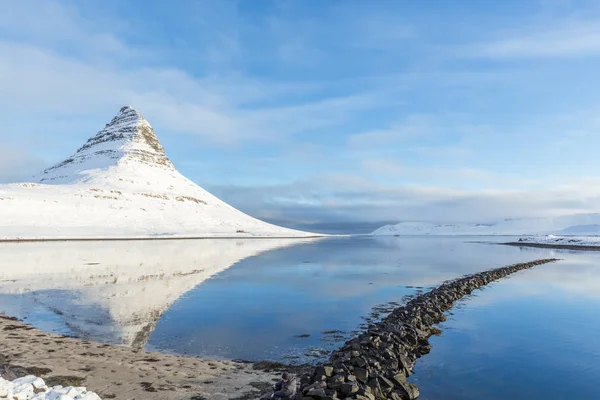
{"x":120,"y":372}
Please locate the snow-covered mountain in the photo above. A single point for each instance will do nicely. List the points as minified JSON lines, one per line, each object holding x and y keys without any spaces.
{"x":121,"y":183}
{"x":576,"y":224}
{"x":591,"y":230}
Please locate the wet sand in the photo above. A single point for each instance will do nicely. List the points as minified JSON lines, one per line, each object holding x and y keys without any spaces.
{"x":120,"y":372}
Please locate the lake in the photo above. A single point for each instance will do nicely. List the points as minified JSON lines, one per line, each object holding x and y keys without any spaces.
{"x":296,"y":300}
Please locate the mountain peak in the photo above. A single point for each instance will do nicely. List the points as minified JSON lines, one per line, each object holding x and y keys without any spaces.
{"x":127,"y":108}
{"x":127,"y":139}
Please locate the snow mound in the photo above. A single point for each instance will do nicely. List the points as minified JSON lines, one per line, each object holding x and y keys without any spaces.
{"x":121,"y":184}
{"x":33,"y":388}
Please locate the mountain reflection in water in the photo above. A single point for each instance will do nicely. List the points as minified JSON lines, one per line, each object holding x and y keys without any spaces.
{"x":112,"y":291}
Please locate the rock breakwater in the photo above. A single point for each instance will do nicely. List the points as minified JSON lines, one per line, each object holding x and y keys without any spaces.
{"x":376,"y":364}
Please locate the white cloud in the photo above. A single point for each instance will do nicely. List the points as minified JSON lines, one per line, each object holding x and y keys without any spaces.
{"x":571,"y":38}
{"x":71,"y":66}
{"x":383,"y":166}
{"x":411,"y":127}
{"x":215,"y":108}
{"x":354,"y":198}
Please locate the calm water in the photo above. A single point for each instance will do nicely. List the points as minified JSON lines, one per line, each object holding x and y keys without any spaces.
{"x":256,"y":309}
{"x":531,"y":336}
{"x":295,"y":301}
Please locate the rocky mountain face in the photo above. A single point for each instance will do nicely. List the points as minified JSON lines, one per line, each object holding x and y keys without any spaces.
{"x":127,"y":138}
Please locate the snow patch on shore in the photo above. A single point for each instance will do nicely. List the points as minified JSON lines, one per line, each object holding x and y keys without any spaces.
{"x":31,"y":387}
{"x":562,"y":240}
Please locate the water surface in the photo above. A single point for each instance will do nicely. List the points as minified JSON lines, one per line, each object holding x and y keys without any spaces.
{"x":257,"y":309}
{"x":530,"y":336}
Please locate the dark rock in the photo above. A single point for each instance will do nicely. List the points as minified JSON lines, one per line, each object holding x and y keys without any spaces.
{"x":335,"y":382}
{"x":316,"y":385}
{"x":318,"y":393}
{"x":408,"y":390}
{"x":348,"y":388}
{"x":304,"y":381}
{"x":361,"y":374}
{"x":385,"y":384}
{"x":366,"y":396}
{"x":374,"y":385}
{"x":324,"y":370}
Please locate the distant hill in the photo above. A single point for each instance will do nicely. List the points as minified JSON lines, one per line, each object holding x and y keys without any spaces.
{"x":579,"y":224}
{"x":590,"y":230}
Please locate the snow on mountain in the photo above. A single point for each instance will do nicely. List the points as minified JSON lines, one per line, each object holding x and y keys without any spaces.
{"x":126,"y":140}
{"x":121,"y":183}
{"x":423,"y":228}
{"x":586,"y":230}
{"x":509,"y":226}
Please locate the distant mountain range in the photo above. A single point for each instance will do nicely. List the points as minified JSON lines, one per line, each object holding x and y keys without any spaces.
{"x":579,"y":224}
{"x":121,"y":184}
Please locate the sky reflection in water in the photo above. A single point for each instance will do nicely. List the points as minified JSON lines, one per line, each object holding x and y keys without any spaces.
{"x":256,"y":309}
{"x":531,"y":336}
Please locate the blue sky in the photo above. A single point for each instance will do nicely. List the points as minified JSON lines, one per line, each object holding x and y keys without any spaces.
{"x":323,"y":112}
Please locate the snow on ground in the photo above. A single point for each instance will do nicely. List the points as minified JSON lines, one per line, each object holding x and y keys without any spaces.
{"x":563,"y":240}
{"x":120,"y":184}
{"x":33,"y":388}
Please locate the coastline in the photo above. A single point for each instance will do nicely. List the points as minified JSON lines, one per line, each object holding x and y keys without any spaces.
{"x":134,"y":238}
{"x":121,"y":372}
{"x":552,"y":246}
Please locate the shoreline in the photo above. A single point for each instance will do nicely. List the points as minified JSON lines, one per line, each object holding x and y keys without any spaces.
{"x":552,"y":246}
{"x":140,"y":238}
{"x":118,"y":372}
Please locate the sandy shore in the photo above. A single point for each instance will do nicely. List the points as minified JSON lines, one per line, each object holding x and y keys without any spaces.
{"x":120,"y":372}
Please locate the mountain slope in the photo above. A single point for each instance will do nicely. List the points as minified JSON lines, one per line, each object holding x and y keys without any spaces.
{"x":120,"y":183}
